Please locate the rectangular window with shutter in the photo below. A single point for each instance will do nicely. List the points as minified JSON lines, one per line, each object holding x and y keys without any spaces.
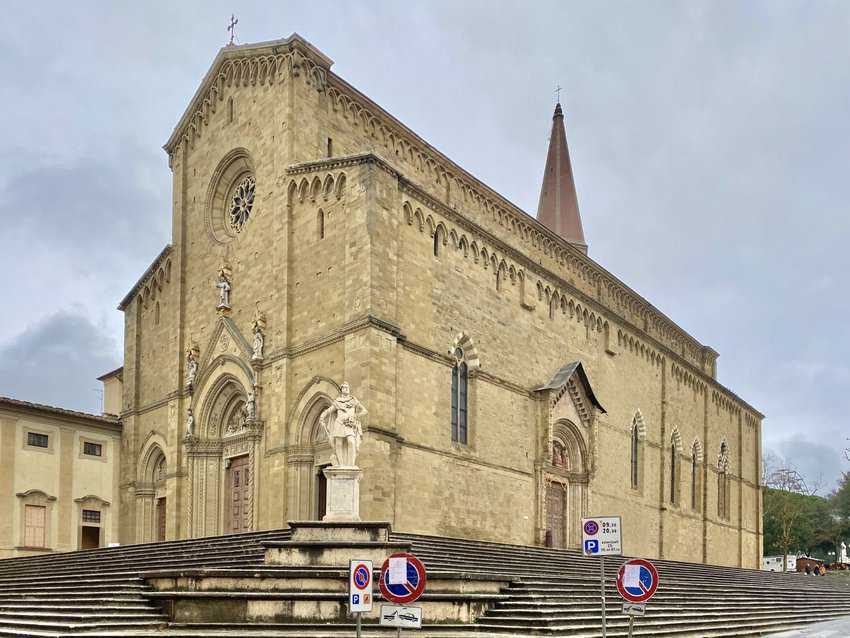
{"x":35,"y":518}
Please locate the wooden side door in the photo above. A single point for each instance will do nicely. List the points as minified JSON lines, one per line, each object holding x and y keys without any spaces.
{"x":239,"y":494}
{"x":321,"y":494}
{"x":160,"y":519}
{"x":556,"y":510}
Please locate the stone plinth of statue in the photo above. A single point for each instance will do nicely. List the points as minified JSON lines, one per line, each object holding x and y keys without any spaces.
{"x":343,"y":494}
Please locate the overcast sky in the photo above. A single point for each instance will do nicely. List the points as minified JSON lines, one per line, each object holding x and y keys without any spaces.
{"x":710,"y":144}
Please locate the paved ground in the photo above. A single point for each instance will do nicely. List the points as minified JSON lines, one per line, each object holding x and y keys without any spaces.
{"x":831,"y":629}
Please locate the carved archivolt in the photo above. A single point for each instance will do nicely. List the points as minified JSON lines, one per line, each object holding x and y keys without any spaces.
{"x":463,"y":349}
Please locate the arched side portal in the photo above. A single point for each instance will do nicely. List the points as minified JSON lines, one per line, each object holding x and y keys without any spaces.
{"x":309,"y":453}
{"x":221,"y":457}
{"x":565,"y":478}
{"x":151,"y":492}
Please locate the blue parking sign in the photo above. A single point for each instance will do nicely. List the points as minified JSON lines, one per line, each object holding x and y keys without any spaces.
{"x":591,"y":547}
{"x":355,"y":599}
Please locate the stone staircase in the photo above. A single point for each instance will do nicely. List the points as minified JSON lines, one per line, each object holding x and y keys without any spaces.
{"x":101,"y":589}
{"x":104,"y":592}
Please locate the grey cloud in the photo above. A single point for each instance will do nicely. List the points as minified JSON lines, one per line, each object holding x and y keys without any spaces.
{"x":710,"y":143}
{"x":57,"y":362}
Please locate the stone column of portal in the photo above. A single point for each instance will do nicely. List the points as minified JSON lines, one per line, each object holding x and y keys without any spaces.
{"x":343,"y":495}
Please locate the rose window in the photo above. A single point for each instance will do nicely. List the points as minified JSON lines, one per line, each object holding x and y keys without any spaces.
{"x":241,"y":203}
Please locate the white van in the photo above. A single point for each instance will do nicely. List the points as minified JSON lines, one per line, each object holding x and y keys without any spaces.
{"x":774,"y":563}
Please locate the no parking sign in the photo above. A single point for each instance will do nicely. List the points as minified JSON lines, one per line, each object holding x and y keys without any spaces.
{"x":637,"y":580}
{"x":402,"y":578}
{"x":360,"y":585}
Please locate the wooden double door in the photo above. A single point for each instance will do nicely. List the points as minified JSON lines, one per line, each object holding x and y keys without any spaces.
{"x":238,"y":496}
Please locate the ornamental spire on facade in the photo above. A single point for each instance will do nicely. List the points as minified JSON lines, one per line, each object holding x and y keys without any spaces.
{"x":558,"y":207}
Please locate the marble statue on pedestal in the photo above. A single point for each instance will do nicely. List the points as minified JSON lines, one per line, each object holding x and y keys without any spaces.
{"x":345,"y":429}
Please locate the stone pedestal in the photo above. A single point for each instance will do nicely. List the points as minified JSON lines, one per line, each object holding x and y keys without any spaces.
{"x":343,"y":496}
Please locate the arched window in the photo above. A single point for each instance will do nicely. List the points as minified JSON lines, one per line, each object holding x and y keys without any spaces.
{"x":634,"y":460}
{"x":156,"y":314}
{"x":320,"y":224}
{"x":673,"y":474}
{"x":438,"y":238}
{"x":723,"y":482}
{"x":460,"y":375}
{"x":694,"y":471}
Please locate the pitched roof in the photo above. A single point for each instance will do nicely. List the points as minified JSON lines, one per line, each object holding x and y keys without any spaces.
{"x":558,"y":206}
{"x":8,"y":402}
{"x":563,"y":375}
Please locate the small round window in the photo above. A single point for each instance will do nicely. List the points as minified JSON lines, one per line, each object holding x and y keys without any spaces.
{"x":241,"y":203}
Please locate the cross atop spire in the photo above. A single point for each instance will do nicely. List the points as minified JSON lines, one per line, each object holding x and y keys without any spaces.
{"x":558,"y":207}
{"x":232,"y":28}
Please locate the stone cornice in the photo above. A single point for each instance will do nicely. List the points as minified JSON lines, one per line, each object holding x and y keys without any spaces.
{"x":165,"y":252}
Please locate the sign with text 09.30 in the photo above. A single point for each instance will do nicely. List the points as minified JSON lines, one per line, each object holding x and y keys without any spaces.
{"x":600,"y":536}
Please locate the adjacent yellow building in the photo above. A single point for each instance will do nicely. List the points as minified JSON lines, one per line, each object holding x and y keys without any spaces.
{"x":58,"y":479}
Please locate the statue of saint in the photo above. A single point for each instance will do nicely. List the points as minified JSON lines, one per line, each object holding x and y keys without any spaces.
{"x":250,"y":408}
{"x":190,"y":423}
{"x":259,"y":340}
{"x":345,"y":429}
{"x":223,"y":286}
{"x":191,"y":368}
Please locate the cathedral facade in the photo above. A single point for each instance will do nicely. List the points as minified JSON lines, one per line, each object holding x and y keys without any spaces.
{"x":513,"y":385}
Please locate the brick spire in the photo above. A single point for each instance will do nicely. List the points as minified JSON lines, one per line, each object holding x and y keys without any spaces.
{"x":558,"y":207}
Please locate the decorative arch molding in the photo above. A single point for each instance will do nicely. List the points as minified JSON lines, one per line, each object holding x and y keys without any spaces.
{"x":568,"y":434}
{"x":308,"y":450}
{"x":152,"y":450}
{"x":317,"y":386}
{"x":696,"y":450}
{"x":470,"y":352}
{"x":233,"y":167}
{"x":723,"y":456}
{"x":226,"y":344}
{"x":676,"y":439}
{"x":640,"y":423}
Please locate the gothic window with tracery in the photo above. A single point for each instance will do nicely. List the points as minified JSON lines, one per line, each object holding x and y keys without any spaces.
{"x":241,"y":203}
{"x":460,"y":376}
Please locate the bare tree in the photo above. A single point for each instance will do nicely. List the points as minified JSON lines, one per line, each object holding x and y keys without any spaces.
{"x":781,"y":475}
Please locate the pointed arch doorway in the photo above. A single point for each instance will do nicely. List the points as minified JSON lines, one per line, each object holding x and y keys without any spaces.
{"x":221,"y":458}
{"x":565,"y":478}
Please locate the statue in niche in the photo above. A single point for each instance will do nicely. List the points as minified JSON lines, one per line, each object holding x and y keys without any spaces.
{"x":257,"y":326}
{"x":191,"y":367}
{"x":190,"y":423}
{"x":250,"y":408}
{"x":345,"y":429}
{"x":259,"y":341}
{"x":223,"y":285}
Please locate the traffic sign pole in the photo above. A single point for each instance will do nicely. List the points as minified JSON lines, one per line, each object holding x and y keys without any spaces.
{"x":358,"y":625}
{"x":631,"y":625}
{"x":602,"y":589}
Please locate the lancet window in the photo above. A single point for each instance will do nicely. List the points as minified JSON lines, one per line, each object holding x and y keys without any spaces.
{"x":460,"y":378}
